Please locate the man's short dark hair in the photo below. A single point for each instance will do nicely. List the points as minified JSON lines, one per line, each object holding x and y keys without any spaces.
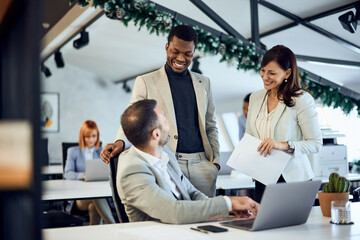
{"x":139,"y":120}
{"x":247,"y":98}
{"x":183,"y":32}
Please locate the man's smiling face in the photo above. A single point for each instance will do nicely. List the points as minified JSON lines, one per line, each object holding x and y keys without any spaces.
{"x":179,"y":54}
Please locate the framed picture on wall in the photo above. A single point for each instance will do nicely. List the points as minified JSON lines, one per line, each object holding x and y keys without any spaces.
{"x":49,"y":112}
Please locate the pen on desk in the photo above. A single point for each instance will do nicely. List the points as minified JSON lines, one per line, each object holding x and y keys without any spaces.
{"x":199,"y":230}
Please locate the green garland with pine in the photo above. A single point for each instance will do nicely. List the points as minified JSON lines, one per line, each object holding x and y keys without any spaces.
{"x":144,"y":14}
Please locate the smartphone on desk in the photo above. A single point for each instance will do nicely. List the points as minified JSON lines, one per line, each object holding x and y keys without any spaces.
{"x":212,"y":228}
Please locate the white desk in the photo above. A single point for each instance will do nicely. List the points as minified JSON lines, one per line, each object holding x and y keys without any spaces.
{"x":241,"y":181}
{"x":352,"y":177}
{"x":61,"y":189}
{"x":52,"y":170}
{"x":74,"y":189}
{"x":317,"y":227}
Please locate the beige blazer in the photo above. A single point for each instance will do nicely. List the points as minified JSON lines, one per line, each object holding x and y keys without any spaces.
{"x":146,"y":195}
{"x":298,"y":124}
{"x":155,"y":85}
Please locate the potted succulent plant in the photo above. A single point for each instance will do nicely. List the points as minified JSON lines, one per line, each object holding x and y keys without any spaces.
{"x":336,"y":190}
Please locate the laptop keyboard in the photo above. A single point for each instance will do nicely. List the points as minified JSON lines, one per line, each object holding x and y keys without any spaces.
{"x":242,"y":223}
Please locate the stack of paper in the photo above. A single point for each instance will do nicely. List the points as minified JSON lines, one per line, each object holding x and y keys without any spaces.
{"x":246,"y":159}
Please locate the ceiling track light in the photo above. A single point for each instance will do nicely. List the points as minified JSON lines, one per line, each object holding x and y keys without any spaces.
{"x":195,"y":66}
{"x":59,"y":59}
{"x":45,"y":70}
{"x":82,"y":41}
{"x":126,"y":88}
{"x":349,"y":20}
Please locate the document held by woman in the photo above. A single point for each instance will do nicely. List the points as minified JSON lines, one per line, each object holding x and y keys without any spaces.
{"x":246,"y":159}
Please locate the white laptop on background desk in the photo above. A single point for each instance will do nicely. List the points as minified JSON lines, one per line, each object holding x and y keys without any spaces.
{"x":96,"y":170}
{"x":283,"y":204}
{"x":224,"y":168}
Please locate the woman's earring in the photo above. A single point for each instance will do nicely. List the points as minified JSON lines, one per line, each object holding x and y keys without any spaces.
{"x":285,"y":80}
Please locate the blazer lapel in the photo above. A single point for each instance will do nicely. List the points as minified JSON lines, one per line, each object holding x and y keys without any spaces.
{"x":178,"y":183}
{"x":200,"y":94}
{"x":82,"y":153}
{"x":163,"y":87}
{"x":277,"y":114}
{"x":159,"y":177}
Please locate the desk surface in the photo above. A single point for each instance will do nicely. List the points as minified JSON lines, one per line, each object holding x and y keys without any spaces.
{"x":74,"y":189}
{"x":242,"y":181}
{"x":52,"y":169}
{"x":317,"y":227}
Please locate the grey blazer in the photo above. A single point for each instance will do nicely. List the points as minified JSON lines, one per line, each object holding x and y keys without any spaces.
{"x":155,"y":85}
{"x":146,"y":196}
{"x":298,"y":124}
{"x":75,"y":162}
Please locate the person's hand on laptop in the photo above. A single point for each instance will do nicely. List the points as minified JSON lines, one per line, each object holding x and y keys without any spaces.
{"x":244,"y":207}
{"x":111,"y":150}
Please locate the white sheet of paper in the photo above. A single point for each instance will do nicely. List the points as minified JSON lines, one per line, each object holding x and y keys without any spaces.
{"x":246,"y":159}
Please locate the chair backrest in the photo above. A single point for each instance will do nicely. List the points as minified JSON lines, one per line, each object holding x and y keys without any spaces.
{"x":44,"y":151}
{"x":65,"y":146}
{"x":120,"y":209}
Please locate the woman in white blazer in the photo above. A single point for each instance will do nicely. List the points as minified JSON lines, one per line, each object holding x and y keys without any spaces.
{"x":283,"y":116}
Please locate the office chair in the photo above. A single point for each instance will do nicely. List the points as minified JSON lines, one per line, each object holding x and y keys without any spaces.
{"x":44,"y":152}
{"x":65,"y":146}
{"x":69,"y":206}
{"x":120,"y":209}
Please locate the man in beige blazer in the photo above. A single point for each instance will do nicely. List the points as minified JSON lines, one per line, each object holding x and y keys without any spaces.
{"x":150,"y":183}
{"x":188,"y":103}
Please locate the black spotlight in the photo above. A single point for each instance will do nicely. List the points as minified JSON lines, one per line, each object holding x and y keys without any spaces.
{"x":59,"y":59}
{"x":348,"y":21}
{"x":195,"y":66}
{"x":126,"y":88}
{"x":45,"y":70}
{"x":82,"y":41}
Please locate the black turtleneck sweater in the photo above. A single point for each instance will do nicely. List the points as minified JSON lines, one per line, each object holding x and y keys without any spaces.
{"x":186,"y":111}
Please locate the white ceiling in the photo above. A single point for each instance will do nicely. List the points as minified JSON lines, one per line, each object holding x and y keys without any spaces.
{"x":116,"y":52}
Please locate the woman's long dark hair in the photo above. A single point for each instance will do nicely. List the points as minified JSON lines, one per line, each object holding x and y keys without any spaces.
{"x":286,"y":59}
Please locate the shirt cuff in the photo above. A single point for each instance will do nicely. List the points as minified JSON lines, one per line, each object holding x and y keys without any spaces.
{"x":228,"y":202}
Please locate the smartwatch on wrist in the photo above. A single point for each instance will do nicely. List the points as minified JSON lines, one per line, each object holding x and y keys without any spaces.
{"x":291,"y":147}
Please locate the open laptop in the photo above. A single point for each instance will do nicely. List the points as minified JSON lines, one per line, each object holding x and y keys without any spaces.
{"x":96,"y":170}
{"x":283,"y":204}
{"x":224,"y":168}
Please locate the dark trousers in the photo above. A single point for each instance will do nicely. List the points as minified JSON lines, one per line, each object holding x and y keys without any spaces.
{"x":260,"y":188}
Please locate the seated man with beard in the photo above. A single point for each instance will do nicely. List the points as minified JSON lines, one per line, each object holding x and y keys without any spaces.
{"x":150,"y":182}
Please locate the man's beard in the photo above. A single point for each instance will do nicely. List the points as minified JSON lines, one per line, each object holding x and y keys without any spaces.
{"x":165,"y":141}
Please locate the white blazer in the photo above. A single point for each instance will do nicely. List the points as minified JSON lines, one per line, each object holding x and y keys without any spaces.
{"x":298,"y":124}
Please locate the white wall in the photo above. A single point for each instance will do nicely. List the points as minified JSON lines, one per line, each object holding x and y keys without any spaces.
{"x":83,"y":96}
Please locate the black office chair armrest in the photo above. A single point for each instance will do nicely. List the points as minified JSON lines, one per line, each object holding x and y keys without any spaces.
{"x":356,"y":193}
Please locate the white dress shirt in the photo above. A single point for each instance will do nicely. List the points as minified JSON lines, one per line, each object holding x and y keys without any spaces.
{"x":160,"y":164}
{"x":264,"y":120}
{"x":89,"y":153}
